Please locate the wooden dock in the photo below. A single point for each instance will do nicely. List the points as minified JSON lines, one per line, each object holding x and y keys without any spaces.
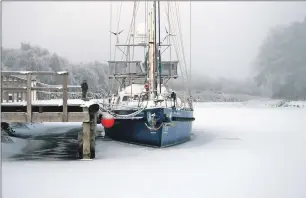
{"x":64,"y":110}
{"x":44,"y":111}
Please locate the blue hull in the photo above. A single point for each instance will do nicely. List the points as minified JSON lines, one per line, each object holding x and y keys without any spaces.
{"x":172,"y":127}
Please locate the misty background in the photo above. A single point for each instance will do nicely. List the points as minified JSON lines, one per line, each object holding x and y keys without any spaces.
{"x":240,"y":50}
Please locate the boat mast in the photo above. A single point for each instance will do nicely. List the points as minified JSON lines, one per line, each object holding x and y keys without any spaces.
{"x":155,"y":49}
{"x":159,"y":55}
{"x":151,"y":54}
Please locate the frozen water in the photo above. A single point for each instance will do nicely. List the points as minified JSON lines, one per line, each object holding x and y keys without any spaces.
{"x":236,"y":151}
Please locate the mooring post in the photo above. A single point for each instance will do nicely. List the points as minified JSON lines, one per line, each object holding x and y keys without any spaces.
{"x":83,"y":138}
{"x":86,"y":140}
{"x":86,"y":145}
{"x":2,"y":88}
{"x":93,"y":126}
{"x":29,"y":97}
{"x":65,"y":97}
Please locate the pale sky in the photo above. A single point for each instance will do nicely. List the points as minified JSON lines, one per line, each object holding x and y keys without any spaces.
{"x":225,"y":35}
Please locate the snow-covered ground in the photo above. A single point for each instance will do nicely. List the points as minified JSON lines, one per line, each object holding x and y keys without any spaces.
{"x":266,"y":102}
{"x":237,"y":151}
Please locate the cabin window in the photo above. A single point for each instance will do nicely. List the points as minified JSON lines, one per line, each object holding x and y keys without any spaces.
{"x":125,"y":98}
{"x":21,"y":96}
{"x":10,"y":97}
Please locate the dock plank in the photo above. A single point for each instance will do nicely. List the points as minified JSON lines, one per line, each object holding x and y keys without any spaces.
{"x":44,"y":117}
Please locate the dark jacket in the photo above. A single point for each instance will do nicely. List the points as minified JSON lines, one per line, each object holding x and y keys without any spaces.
{"x":84,"y":86}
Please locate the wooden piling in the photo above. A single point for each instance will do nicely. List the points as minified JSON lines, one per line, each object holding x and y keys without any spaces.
{"x":1,"y":89}
{"x":65,"y":97}
{"x":86,"y":140}
{"x":93,"y":126}
{"x":29,"y":98}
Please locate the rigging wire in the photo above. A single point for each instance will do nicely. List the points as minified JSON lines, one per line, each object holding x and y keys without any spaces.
{"x":181,"y":37}
{"x":177,"y":49}
{"x":110,"y":81}
{"x":159,"y":55}
{"x":181,"y":47}
{"x":118,"y":23}
{"x":190,"y":82}
{"x":189,"y":101}
{"x":128,"y":36}
{"x":117,"y":40}
{"x":134,"y":20}
{"x":170,"y":50}
{"x":177,"y":14}
{"x":134,"y":15}
{"x":167,"y":13}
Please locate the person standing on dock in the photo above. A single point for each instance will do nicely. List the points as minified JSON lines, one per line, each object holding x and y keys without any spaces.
{"x":84,"y":87}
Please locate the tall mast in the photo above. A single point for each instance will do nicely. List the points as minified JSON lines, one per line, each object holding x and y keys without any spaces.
{"x":155,"y":50}
{"x":159,"y":55}
{"x":151,"y":54}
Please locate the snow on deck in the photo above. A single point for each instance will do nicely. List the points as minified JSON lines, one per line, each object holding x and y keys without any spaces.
{"x":235,"y":152}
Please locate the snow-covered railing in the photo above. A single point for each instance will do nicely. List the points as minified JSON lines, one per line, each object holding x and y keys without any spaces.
{"x":43,"y":95}
{"x":29,"y":88}
{"x":9,"y":73}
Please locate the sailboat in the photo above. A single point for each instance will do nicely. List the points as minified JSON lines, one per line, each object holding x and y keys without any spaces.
{"x":145,"y":110}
